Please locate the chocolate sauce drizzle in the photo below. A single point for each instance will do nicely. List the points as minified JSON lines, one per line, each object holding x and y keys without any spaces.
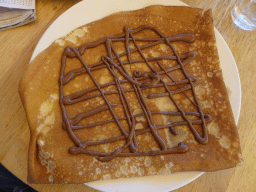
{"x":137,"y":80}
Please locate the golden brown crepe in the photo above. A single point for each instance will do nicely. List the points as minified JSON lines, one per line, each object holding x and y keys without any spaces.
{"x":94,"y":109}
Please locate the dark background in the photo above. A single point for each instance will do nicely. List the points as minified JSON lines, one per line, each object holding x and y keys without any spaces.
{"x":10,"y":183}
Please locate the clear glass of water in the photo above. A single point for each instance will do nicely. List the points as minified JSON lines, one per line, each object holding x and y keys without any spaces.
{"x":244,"y":14}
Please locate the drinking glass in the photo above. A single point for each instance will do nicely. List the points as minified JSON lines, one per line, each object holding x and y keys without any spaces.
{"x":244,"y":14}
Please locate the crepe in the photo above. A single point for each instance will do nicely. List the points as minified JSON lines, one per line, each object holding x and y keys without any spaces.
{"x":134,"y":94}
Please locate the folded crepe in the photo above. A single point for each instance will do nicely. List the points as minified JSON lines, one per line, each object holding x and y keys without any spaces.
{"x":134,"y":94}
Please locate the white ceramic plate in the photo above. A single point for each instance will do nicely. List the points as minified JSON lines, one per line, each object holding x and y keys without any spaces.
{"x":87,"y":11}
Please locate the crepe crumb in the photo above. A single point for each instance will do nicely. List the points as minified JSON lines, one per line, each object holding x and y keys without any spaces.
{"x":44,"y":155}
{"x":152,"y":170}
{"x":155,"y":149}
{"x":61,"y":42}
{"x":107,"y":176}
{"x":163,"y":103}
{"x":51,"y":178}
{"x":170,"y":165}
{"x":137,"y":111}
{"x":141,"y":171}
{"x":117,"y":174}
{"x":133,"y":169}
{"x":154,"y":54}
{"x":142,"y":118}
{"x":164,"y":171}
{"x":43,"y":128}
{"x":40,"y":142}
{"x":54,"y":96}
{"x":98,"y":171}
{"x":224,"y":142}
{"x":44,"y":162}
{"x":210,"y":44}
{"x":45,"y":108}
{"x":124,"y":170}
{"x":50,"y":166}
{"x":79,"y":32}
{"x":138,"y":126}
{"x":163,"y":47}
{"x":85,"y":29}
{"x":210,"y":74}
{"x":147,"y":161}
{"x":235,"y":144}
{"x":206,"y":104}
{"x":209,"y":59}
{"x":214,"y":129}
{"x":46,"y":114}
{"x":72,"y":38}
{"x":50,"y":119}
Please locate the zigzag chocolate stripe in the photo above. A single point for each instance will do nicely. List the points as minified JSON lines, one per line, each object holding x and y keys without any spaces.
{"x":112,"y":62}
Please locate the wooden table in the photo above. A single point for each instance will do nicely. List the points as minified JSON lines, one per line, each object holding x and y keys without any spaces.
{"x":17,"y":46}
